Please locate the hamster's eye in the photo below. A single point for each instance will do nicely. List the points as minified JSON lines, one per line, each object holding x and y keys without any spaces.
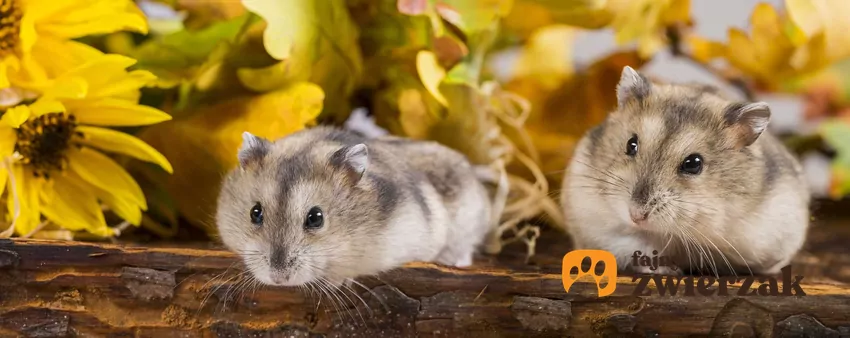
{"x":257,"y":214}
{"x":692,"y":164}
{"x":315,"y":219}
{"x":632,"y":146}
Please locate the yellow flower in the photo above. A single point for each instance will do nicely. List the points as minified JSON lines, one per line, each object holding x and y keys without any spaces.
{"x":35,"y":35}
{"x":53,"y":148}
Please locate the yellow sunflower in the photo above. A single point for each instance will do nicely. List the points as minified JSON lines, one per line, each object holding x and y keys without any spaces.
{"x":35,"y":35}
{"x":53,"y":144}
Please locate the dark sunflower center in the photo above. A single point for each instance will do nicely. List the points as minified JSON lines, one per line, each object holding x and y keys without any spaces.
{"x":43,"y":142}
{"x":10,"y":26}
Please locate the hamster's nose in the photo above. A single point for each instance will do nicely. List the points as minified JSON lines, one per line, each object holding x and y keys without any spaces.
{"x":279,"y":259}
{"x":638,"y":215}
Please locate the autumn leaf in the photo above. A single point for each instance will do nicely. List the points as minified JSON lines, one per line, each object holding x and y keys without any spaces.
{"x":314,"y":41}
{"x":203,"y":147}
{"x":646,"y":21}
{"x":704,"y":50}
{"x":634,"y":21}
{"x":527,"y":16}
{"x":202,"y":13}
{"x":784,"y":47}
{"x":547,"y":56}
{"x":431,"y":74}
{"x":825,"y":17}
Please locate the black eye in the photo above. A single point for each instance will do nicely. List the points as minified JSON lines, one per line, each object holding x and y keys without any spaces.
{"x":692,"y":164}
{"x":632,"y":146}
{"x":257,"y":214}
{"x":315,"y":219}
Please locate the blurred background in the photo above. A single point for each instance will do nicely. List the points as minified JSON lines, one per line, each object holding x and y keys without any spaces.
{"x":513,"y":84}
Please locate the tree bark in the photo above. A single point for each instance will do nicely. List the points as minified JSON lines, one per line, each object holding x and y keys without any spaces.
{"x":58,"y":289}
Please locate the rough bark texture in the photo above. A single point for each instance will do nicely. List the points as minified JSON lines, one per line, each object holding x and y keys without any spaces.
{"x":57,"y":289}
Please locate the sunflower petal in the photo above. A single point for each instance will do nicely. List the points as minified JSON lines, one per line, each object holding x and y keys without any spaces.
{"x":99,"y":70}
{"x":45,"y":106}
{"x":8,"y":138}
{"x":94,"y":17}
{"x":4,"y":77}
{"x":125,"y":83}
{"x":73,"y":54}
{"x":124,"y":208}
{"x":27,"y":190}
{"x":73,"y":207}
{"x":101,"y":171}
{"x":15,"y":116}
{"x":118,"y":142}
{"x":115,"y":112}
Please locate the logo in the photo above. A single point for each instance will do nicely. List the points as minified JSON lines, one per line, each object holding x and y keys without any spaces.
{"x":574,"y":258}
{"x":785,"y":284}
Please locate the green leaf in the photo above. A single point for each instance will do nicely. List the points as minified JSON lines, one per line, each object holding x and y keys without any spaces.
{"x":176,"y":57}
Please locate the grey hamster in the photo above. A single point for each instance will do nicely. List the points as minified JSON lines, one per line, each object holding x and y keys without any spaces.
{"x":684,"y":172}
{"x":329,"y":204}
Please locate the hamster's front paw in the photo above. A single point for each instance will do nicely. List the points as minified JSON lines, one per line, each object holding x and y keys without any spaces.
{"x":464,"y":261}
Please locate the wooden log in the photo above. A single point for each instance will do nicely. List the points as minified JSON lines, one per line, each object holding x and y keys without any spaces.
{"x":58,"y":289}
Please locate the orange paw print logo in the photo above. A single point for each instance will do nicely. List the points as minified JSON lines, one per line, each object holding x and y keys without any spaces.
{"x":574,"y":258}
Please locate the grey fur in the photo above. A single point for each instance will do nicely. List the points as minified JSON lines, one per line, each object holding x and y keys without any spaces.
{"x":749,"y":205}
{"x":253,"y":148}
{"x":386,"y":201}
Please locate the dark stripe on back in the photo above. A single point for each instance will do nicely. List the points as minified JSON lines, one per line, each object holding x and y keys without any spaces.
{"x":346,"y":137}
{"x":771,"y":169}
{"x":387,"y":193}
{"x":419,"y":198}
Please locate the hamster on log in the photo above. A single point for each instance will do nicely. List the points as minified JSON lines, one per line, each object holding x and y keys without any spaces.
{"x":326,"y":204}
{"x":678,"y":171}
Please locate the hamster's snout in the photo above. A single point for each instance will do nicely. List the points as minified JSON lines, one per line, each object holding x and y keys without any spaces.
{"x":640,"y":201}
{"x":638,"y":215}
{"x":279,"y":259}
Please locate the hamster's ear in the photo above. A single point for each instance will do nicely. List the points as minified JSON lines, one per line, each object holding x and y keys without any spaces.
{"x":633,"y":85}
{"x":252,"y":150}
{"x":354,"y":160}
{"x":748,"y":121}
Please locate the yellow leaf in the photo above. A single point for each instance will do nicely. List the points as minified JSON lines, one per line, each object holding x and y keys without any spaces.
{"x":203,"y":146}
{"x":783,"y":47}
{"x":646,"y":21}
{"x":705,"y":50}
{"x":767,"y":37}
{"x":313,"y":41}
{"x":414,"y":115}
{"x":473,"y":15}
{"x":824,"y":16}
{"x":431,"y":74}
{"x":548,"y":55}
{"x":287,"y":24}
{"x":526,"y":16}
{"x":741,"y":53}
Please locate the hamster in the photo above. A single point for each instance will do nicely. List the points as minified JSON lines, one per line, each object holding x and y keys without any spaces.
{"x":681,"y":172}
{"x":329,"y":205}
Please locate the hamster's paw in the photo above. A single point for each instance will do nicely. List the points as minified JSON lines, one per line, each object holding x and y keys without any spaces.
{"x":464,"y":261}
